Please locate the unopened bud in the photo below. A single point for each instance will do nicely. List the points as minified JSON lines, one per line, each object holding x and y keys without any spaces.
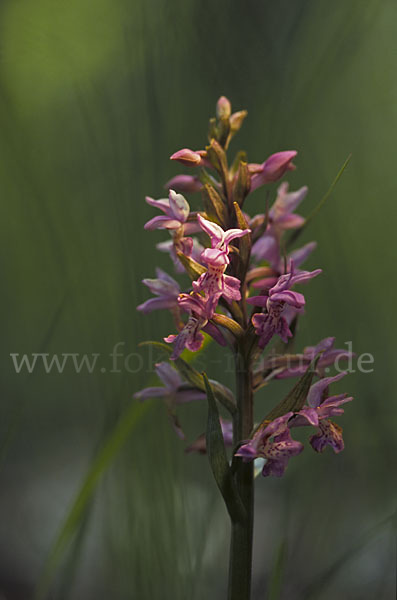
{"x":277,"y":164}
{"x":187,"y":157}
{"x":223,"y":108}
{"x":236,"y":120}
{"x":184,"y":183}
{"x":272,"y":169}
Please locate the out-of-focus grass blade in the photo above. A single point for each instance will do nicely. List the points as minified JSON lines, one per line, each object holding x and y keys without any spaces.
{"x":78,"y":510}
{"x":67,"y":579}
{"x":314,"y":587}
{"x":15,"y":419}
{"x":102,"y":461}
{"x":294,"y":236}
{"x":276,"y":576}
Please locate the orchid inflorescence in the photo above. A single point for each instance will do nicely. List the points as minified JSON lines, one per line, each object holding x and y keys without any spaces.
{"x":231,"y":256}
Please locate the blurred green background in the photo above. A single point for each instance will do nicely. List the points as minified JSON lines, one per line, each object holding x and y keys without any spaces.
{"x":95,"y":96}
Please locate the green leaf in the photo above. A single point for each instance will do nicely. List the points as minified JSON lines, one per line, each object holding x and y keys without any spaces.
{"x":236,"y":121}
{"x":218,"y":460}
{"x":259,"y":231}
{"x":276,"y":576}
{"x":243,"y":183}
{"x":295,"y":400}
{"x":244,"y":243}
{"x":234,"y":309}
{"x":217,"y":157}
{"x":321,"y":581}
{"x":214,"y":205}
{"x":102,"y":461}
{"x":223,"y":130}
{"x":192,"y":376}
{"x":323,"y":200}
{"x":212,"y":131}
{"x":192,"y":268}
{"x":240,"y":156}
{"x":229,"y":324}
{"x":206,"y":177}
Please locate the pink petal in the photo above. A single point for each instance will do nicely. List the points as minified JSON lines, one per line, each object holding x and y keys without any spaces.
{"x":179,"y":207}
{"x":162,"y":204}
{"x":316,"y":391}
{"x":187,"y":157}
{"x":184,"y":183}
{"x":231,"y":234}
{"x":162,"y":223}
{"x":215,"y":232}
{"x":168,"y":375}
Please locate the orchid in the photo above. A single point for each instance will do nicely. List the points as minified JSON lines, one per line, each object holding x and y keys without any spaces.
{"x":214,"y":282}
{"x":275,"y":444}
{"x":191,"y":158}
{"x":200,"y":311}
{"x":173,"y":392}
{"x":278,"y":299}
{"x":187,"y":246}
{"x":184,"y":183}
{"x":179,"y":221}
{"x":318,"y":411}
{"x":281,"y":218}
{"x":219,"y":282}
{"x":165,"y":288}
{"x":176,"y":210}
{"x":329,"y":356}
{"x":272,"y":169}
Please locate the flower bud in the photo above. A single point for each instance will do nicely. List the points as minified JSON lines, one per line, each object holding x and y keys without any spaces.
{"x":187,"y":157}
{"x":236,"y":120}
{"x":184,"y":183}
{"x":272,"y":169}
{"x":223,"y":108}
{"x":277,"y":164}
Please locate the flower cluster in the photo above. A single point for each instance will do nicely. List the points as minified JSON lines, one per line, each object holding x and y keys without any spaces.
{"x":232,"y":261}
{"x":273,"y":441}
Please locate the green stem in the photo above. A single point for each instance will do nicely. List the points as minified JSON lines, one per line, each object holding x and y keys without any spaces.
{"x":240,"y":565}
